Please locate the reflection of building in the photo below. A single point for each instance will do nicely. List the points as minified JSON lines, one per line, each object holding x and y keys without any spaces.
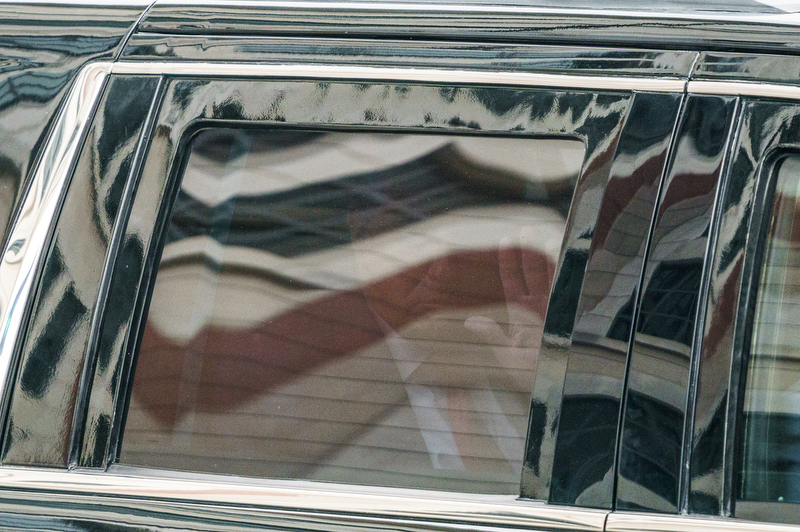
{"x":633,"y":335}
{"x":334,"y":346}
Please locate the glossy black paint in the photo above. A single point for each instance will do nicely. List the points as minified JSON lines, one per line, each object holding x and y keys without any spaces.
{"x":42,"y":46}
{"x":601,"y":247}
{"x":43,"y":60}
{"x":92,"y":427}
{"x":765,"y":126}
{"x":650,"y":455}
{"x":688,"y":28}
{"x":587,"y":427}
{"x":513,"y":111}
{"x":52,"y":358}
{"x":506,"y":57}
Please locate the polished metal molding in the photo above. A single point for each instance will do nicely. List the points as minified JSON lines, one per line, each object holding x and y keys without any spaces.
{"x":532,"y":79}
{"x":774,"y":69}
{"x":733,"y":88}
{"x":371,"y":504}
{"x":641,"y":522}
{"x":356,"y":73}
{"x":786,"y":17}
{"x":405,"y":53}
{"x":628,"y":24}
{"x":98,"y":3}
{"x":31,"y":227}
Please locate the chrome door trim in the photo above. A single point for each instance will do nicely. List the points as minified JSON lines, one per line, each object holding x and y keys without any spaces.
{"x":431,"y":75}
{"x":787,"y":17}
{"x":440,"y":509}
{"x":27,"y":244}
{"x":643,"y":522}
{"x":736,"y":88}
{"x":684,"y":29}
{"x":32,"y":223}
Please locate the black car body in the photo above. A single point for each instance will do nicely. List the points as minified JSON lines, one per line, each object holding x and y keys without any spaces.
{"x":423,"y":266}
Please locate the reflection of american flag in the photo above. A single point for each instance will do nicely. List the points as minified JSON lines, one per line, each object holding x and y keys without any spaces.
{"x":350,"y":364}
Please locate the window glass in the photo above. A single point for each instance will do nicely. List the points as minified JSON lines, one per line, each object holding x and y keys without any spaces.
{"x":352,"y":307}
{"x":770,"y":464}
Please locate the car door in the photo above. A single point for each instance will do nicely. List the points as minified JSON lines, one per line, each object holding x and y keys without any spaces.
{"x":304,"y":283}
{"x":734,"y":430}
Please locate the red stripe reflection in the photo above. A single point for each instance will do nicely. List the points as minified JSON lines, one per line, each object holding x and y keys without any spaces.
{"x":231,"y":366}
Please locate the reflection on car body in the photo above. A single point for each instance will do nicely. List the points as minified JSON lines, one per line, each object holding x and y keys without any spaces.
{"x":429,"y":266}
{"x":362,"y":295}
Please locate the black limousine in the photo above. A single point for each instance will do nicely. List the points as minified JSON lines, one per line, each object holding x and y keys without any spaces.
{"x":356,"y":266}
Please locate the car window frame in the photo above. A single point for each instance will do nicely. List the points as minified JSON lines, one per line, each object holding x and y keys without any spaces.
{"x":765,"y":96}
{"x":747,"y":204}
{"x":114,"y":481}
{"x":547,"y":80}
{"x":174,"y":160}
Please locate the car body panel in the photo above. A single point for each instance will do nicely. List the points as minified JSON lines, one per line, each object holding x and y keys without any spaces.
{"x":43,"y":46}
{"x":624,"y":415}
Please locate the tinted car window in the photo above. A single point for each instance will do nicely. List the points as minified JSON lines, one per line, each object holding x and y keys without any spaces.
{"x":352,"y":307}
{"x":770,"y":459}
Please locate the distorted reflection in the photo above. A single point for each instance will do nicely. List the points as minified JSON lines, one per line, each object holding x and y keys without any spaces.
{"x":43,"y":46}
{"x":650,"y":458}
{"x":770,"y":467}
{"x":612,"y":258}
{"x":352,"y":307}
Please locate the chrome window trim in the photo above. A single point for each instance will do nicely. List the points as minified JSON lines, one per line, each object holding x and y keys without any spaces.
{"x":788,"y":18}
{"x":31,"y":227}
{"x":440,"y":509}
{"x":642,"y":522}
{"x":29,"y":237}
{"x":736,"y":88}
{"x":531,"y":79}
